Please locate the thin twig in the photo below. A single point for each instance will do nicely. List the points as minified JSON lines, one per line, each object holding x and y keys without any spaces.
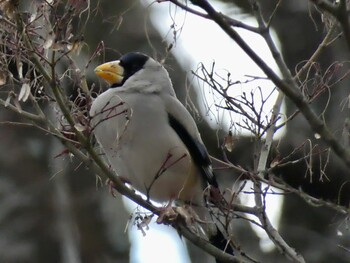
{"x":290,"y":89}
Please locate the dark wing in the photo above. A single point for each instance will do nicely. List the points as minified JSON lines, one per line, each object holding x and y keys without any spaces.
{"x":200,"y":156}
{"x":184,"y":126}
{"x":196,"y":149}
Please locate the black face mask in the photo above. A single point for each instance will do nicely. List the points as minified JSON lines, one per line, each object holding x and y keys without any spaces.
{"x":131,"y":62}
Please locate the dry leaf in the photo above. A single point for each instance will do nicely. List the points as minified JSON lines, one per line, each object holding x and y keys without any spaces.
{"x":8,"y":7}
{"x":317,"y":136}
{"x":3,"y":77}
{"x":228,"y":142}
{"x":49,"y":40}
{"x":79,"y":127}
{"x":33,"y":16}
{"x":275,"y":161}
{"x":57,"y":46}
{"x":19,"y":65}
{"x":24,"y":93}
{"x":40,"y":90}
{"x":75,"y":47}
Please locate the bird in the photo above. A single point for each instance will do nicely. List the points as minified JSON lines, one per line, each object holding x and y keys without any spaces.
{"x":149,"y":137}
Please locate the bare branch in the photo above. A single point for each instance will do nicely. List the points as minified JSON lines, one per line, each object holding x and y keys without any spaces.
{"x":288,"y":86}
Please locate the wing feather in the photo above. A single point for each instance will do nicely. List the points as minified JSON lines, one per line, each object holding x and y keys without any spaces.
{"x":185,"y":127}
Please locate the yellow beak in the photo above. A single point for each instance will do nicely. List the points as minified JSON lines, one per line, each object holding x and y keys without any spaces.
{"x":111,"y":72}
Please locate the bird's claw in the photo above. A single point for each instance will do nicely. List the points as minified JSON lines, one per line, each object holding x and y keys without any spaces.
{"x":170,"y":214}
{"x":187,"y":213}
{"x":167,"y":215}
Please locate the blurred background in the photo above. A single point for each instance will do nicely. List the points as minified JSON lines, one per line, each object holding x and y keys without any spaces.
{"x":53,"y":209}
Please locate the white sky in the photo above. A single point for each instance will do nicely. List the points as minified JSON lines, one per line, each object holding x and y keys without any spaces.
{"x":199,"y":40}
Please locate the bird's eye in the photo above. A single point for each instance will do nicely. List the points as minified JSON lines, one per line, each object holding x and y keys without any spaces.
{"x":132,"y":63}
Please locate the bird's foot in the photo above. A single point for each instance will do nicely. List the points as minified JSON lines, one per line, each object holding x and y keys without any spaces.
{"x":187,"y":214}
{"x":167,"y":214}
{"x":192,"y":220}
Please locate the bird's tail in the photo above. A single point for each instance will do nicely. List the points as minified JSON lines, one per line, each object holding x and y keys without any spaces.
{"x":214,"y":203}
{"x":219,"y":241}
